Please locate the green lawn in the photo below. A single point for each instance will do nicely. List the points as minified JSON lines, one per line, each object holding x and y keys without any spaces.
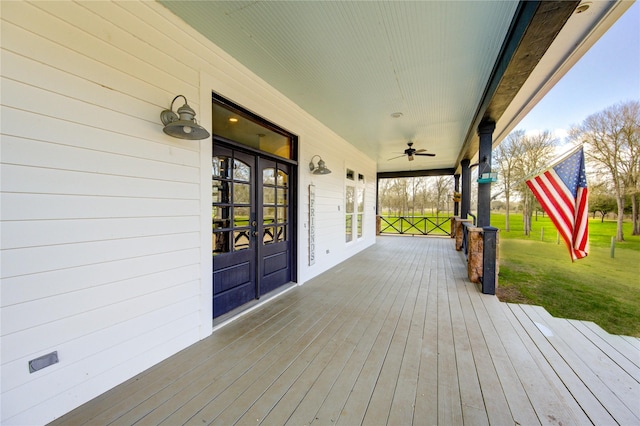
{"x":598,"y":288}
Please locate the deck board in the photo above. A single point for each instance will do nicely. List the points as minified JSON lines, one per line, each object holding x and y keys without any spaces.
{"x":546,"y":402}
{"x":495,"y":402}
{"x":395,"y":335}
{"x":404,"y":397}
{"x":530,"y":333}
{"x":290,"y":396}
{"x":633,"y":341}
{"x":517,"y":399}
{"x":426,"y":405}
{"x":193,"y":387}
{"x":611,"y":385}
{"x":617,"y":348}
{"x":623,"y":344}
{"x":363,"y":388}
{"x":471,"y":401}
{"x":600,"y":404}
{"x":306,"y":411}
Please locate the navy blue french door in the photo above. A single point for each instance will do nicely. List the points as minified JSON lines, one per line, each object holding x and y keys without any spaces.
{"x":251,"y":214}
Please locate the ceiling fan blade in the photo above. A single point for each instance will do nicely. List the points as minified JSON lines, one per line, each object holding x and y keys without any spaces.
{"x":393,"y":158}
{"x":428,"y":154}
{"x":420,"y":150}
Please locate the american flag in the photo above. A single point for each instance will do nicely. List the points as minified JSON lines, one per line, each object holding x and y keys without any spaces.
{"x":562,"y":192}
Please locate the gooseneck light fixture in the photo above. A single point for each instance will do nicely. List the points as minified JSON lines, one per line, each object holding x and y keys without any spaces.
{"x":182,"y":125}
{"x":321,"y":168}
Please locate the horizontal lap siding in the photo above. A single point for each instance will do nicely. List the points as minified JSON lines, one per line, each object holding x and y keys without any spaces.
{"x":105,"y":227}
{"x":101,"y":221}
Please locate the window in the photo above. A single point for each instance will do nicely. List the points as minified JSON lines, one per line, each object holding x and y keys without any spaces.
{"x":354,"y":206}
{"x":349,"y":209}
{"x":360,"y":214}
{"x":350,"y":174}
{"x":231,"y":123}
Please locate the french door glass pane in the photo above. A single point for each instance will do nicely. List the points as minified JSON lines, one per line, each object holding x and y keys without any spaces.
{"x":241,"y":216}
{"x":268,"y":234}
{"x":221,"y":217}
{"x":241,"y":193}
{"x":283,"y":178}
{"x":220,"y":166}
{"x":268,"y":215}
{"x":220,"y":191}
{"x":241,"y":171}
{"x":269,"y":196}
{"x":241,"y":239}
{"x":268,"y":176}
{"x":221,"y":242}
{"x":282,"y":214}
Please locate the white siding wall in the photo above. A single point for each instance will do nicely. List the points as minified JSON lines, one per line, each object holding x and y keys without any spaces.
{"x":105,"y":238}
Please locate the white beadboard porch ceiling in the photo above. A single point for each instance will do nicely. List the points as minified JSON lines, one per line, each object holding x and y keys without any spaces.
{"x":352,"y":64}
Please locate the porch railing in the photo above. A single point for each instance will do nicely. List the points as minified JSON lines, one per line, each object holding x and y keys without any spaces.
{"x":415,"y":225}
{"x":465,"y":235}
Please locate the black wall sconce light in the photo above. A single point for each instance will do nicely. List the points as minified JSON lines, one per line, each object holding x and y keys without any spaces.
{"x":182,"y":125}
{"x":320,"y":169}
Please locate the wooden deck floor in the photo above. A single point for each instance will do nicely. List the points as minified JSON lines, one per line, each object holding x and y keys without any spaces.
{"x":395,"y":335}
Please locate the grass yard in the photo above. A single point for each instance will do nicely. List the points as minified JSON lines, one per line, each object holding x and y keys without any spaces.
{"x":539,"y":271}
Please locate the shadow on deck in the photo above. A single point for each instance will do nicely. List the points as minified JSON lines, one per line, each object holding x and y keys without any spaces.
{"x":395,"y":335}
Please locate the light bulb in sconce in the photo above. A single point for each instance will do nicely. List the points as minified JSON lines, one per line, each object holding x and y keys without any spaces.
{"x":186,"y":129}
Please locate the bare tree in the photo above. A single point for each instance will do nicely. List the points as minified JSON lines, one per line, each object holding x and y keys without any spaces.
{"x":392,"y":196}
{"x":507,"y":157}
{"x":441,"y":187}
{"x":600,"y":199}
{"x":420,"y":194}
{"x":611,"y":138}
{"x":384,"y":202}
{"x":632,"y":136}
{"x":417,"y":184}
{"x":400,"y":196}
{"x":535,"y":154}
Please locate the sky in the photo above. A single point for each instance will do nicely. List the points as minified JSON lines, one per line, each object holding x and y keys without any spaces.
{"x":607,"y":74}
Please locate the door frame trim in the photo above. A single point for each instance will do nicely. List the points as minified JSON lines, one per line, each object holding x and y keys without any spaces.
{"x":207,"y":82}
{"x":210,"y":85}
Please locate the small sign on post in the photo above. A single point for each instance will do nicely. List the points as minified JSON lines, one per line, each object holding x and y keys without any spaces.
{"x":312,"y":224}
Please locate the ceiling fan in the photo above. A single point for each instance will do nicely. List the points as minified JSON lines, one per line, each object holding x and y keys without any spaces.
{"x":410,"y":152}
